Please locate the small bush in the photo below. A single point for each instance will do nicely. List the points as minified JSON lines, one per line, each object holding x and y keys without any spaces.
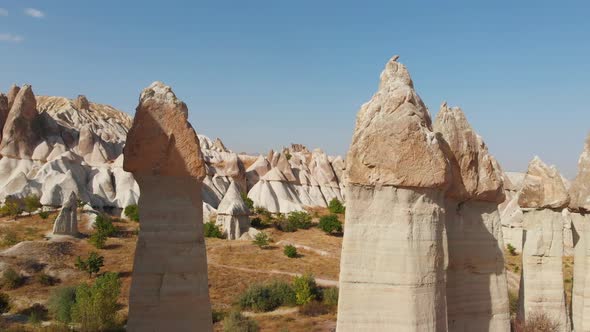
{"x":314,"y":308}
{"x":12,"y":207}
{"x":284,"y":225}
{"x":31,"y":203}
{"x":217,"y":316}
{"x":4,"y":303}
{"x":267,"y":297}
{"x":330,"y":224}
{"x":236,"y":322}
{"x":44,"y":215}
{"x":300,"y":219}
{"x":330,"y":297}
{"x":98,"y":240}
{"x":104,"y":225}
{"x":335,"y":206}
{"x":96,"y":305}
{"x":305,"y":289}
{"x":256,"y":222}
{"x":283,"y":292}
{"x":132,"y":212}
{"x":10,"y":238}
{"x":511,"y":249}
{"x":541,"y":322}
{"x":264,"y":214}
{"x":45,"y":279}
{"x":91,"y":265}
{"x":213,"y":230}
{"x":290,"y":251}
{"x":60,"y":304}
{"x":12,"y":279}
{"x":248,"y":201}
{"x":262,"y":240}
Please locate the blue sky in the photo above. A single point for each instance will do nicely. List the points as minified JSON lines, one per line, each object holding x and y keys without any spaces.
{"x":263,"y":74}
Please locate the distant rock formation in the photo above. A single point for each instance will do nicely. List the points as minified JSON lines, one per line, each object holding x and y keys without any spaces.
{"x":392,"y":271}
{"x":14,"y":90}
{"x":169,"y":289}
{"x":66,"y":222}
{"x":233,"y":214}
{"x":541,"y":284}
{"x":580,"y":213}
{"x":22,"y":129}
{"x":476,"y":289}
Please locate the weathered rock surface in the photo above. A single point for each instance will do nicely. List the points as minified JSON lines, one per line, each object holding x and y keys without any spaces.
{"x":233,"y":214}
{"x":12,"y":92}
{"x":476,"y":289}
{"x":580,"y":188}
{"x":543,"y":187}
{"x":66,"y":222}
{"x":22,"y":133}
{"x":392,"y":271}
{"x":169,"y":289}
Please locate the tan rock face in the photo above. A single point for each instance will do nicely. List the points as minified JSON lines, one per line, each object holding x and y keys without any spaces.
{"x":3,"y":112}
{"x":411,"y":156}
{"x":161,"y":141}
{"x":169,"y":289}
{"x":476,"y":174}
{"x":23,"y":128}
{"x":81,"y":103}
{"x":581,"y":288}
{"x":543,"y":187}
{"x":14,"y":90}
{"x":580,"y":187}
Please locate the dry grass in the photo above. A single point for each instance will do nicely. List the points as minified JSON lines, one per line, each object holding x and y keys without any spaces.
{"x":28,"y":228}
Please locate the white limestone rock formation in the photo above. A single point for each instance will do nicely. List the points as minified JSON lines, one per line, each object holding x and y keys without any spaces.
{"x":476,"y":289}
{"x":392,"y":271}
{"x":66,"y":222}
{"x":580,"y":213}
{"x":233,"y":214}
{"x":541,"y":287}
{"x":169,"y":289}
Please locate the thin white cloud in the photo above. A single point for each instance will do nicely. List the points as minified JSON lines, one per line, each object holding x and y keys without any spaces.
{"x":3,"y":12}
{"x":11,"y":38}
{"x":36,"y":13}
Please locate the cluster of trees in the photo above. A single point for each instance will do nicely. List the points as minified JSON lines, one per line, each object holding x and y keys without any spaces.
{"x":15,"y":206}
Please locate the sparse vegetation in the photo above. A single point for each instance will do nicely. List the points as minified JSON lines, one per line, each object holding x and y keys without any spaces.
{"x":45,"y":279}
{"x":540,"y":322}
{"x":256,"y":222}
{"x":12,"y":279}
{"x":104,"y":225}
{"x":236,"y":322}
{"x":98,"y":240}
{"x":314,"y":308}
{"x":31,"y":203}
{"x":262,"y":240}
{"x":36,"y":313}
{"x":511,"y":249}
{"x":13,"y":207}
{"x":44,"y":215}
{"x":10,"y":238}
{"x":91,"y":265}
{"x":60,"y":304}
{"x":249,"y":202}
{"x":96,"y":305}
{"x":4,"y":303}
{"x":335,"y":206}
{"x":132,"y":212}
{"x":290,"y":251}
{"x":300,"y":219}
{"x":330,"y":224}
{"x":513,"y":302}
{"x":330,"y":297}
{"x":267,"y":297}
{"x":305,"y":289}
{"x":217,"y":316}
{"x":213,"y":230}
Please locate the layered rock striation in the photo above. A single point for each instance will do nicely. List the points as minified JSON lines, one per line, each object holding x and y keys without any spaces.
{"x":66,"y":222}
{"x":169,"y":289}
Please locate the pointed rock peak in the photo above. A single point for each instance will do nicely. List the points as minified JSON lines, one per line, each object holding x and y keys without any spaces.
{"x":295,"y":147}
{"x":161,"y":141}
{"x":81,"y":103}
{"x":232,"y":202}
{"x":12,"y":92}
{"x":393,"y":142}
{"x":580,"y":188}
{"x":25,"y":103}
{"x":219,"y":145}
{"x":542,"y":187}
{"x":476,"y":174}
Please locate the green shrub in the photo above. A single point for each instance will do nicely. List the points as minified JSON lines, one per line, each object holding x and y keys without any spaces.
{"x":217,"y":316}
{"x":132,"y":212}
{"x":104,"y":225}
{"x":305,"y":289}
{"x":256,"y":222}
{"x":44,"y":215}
{"x":12,"y":207}
{"x":91,"y":265}
{"x":300,"y":219}
{"x":330,"y":224}
{"x":284,"y":225}
{"x":4,"y":303}
{"x":262,"y":240}
{"x":31,"y":203}
{"x":330,"y":297}
{"x":96,"y":305}
{"x":98,"y":240}
{"x":511,"y":249}
{"x":45,"y":279}
{"x":513,"y":302}
{"x":314,"y":308}
{"x":213,"y":230}
{"x":335,"y":206}
{"x":248,"y":201}
{"x":10,"y":238}
{"x":264,"y":214}
{"x":290,"y":251}
{"x":236,"y":322}
{"x":60,"y":304}
{"x":12,"y":279}
{"x":267,"y":297}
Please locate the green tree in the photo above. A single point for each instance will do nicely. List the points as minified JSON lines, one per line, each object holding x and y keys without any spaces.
{"x":212,"y":230}
{"x":261,"y":240}
{"x":98,"y":240}
{"x":248,"y":201}
{"x":305,"y":289}
{"x":132,"y":212}
{"x":104,"y":225}
{"x":330,"y":224}
{"x":60,"y":304}
{"x":290,"y":251}
{"x":91,"y":265}
{"x":300,"y":219}
{"x":335,"y":206}
{"x":31,"y":203}
{"x":96,"y":305}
